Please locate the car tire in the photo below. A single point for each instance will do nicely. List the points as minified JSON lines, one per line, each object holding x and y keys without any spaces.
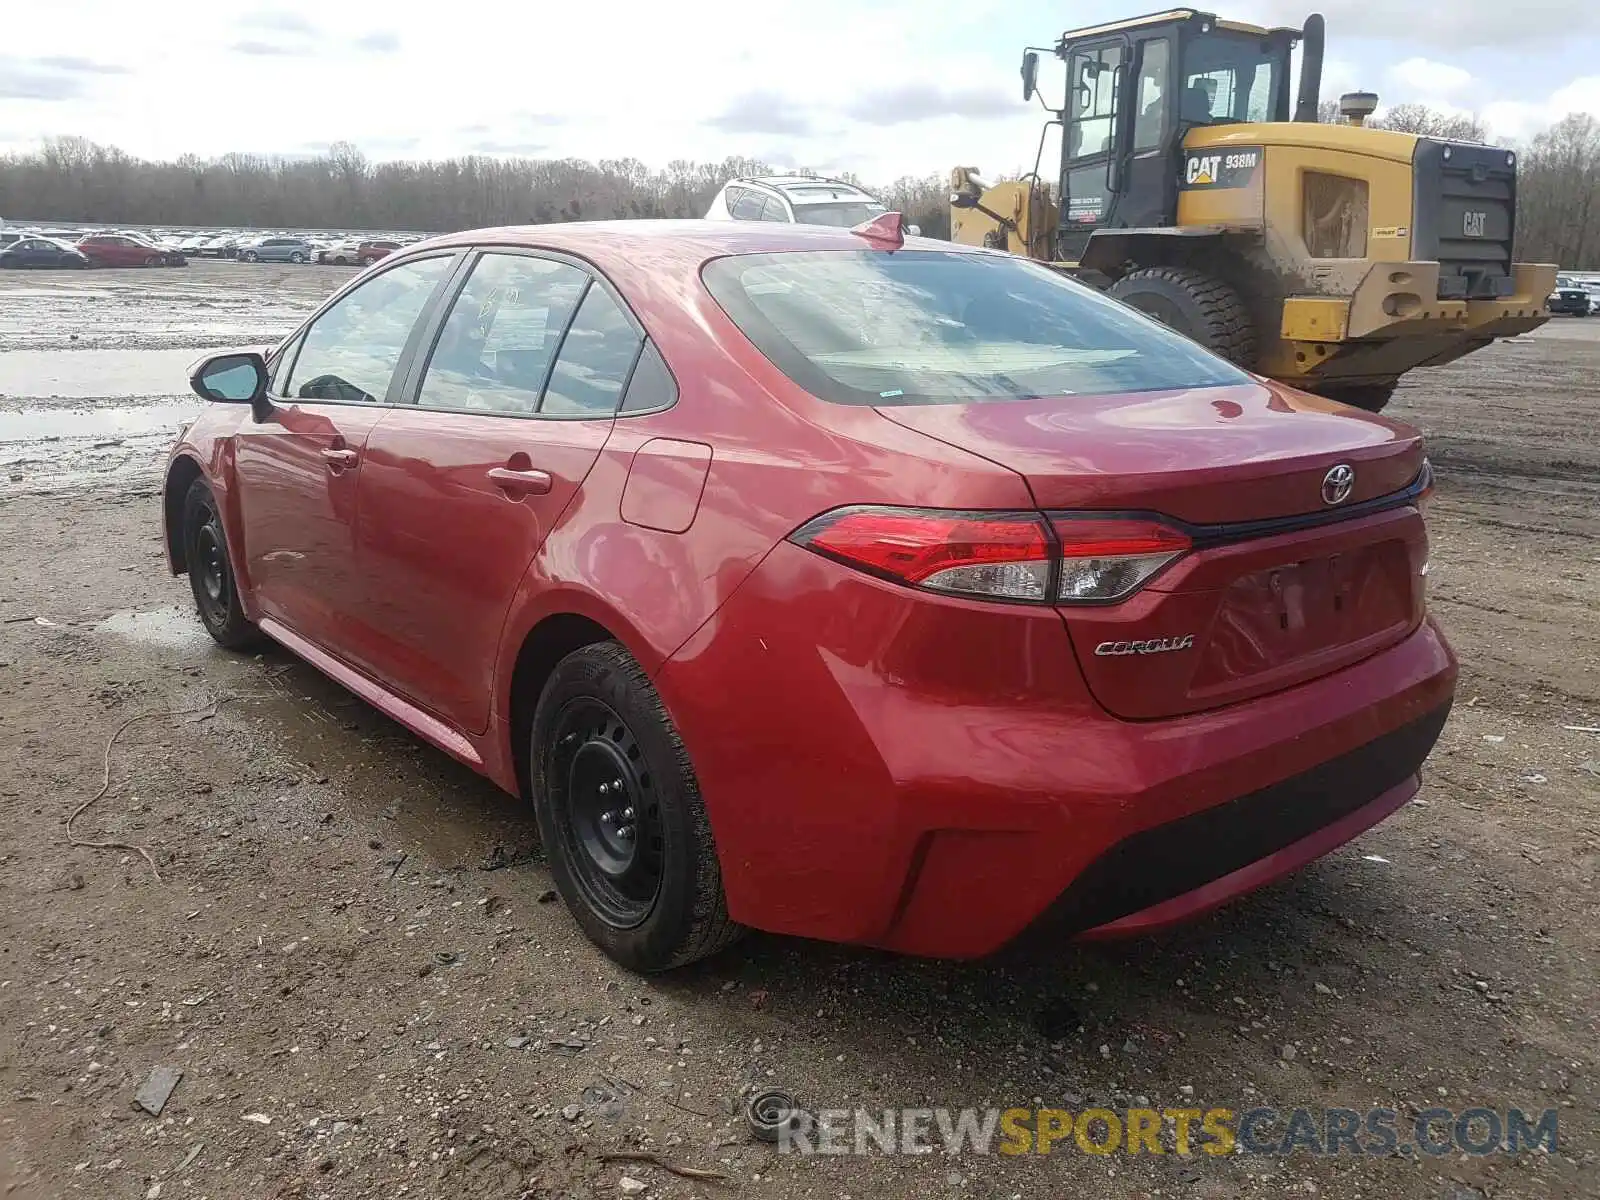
{"x":250,"y":256}
{"x":1372,"y":397}
{"x":205,"y":551}
{"x":155,"y":260}
{"x":366,"y":262}
{"x":1201,"y":307}
{"x":297,"y":258}
{"x":636,"y":865}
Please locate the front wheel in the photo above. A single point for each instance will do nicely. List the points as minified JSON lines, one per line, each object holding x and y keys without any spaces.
{"x":1201,"y":307}
{"x":297,"y":258}
{"x":205,"y":553}
{"x":249,"y":256}
{"x":620,"y":815}
{"x":155,"y":260}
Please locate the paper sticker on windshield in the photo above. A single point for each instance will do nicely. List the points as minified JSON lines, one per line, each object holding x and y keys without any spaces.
{"x":1234,"y":168}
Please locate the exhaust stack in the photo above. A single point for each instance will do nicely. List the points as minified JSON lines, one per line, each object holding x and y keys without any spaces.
{"x":1311,"y":42}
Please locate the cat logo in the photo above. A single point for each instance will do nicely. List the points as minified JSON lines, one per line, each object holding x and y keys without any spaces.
{"x":1202,"y":170}
{"x":1473,"y":224}
{"x":1233,"y":168}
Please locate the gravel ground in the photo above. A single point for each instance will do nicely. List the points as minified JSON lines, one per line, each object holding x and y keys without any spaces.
{"x":354,"y":957}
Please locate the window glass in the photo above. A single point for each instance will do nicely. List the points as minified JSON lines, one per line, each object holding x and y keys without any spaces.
{"x":596,"y":356}
{"x":350,"y":351}
{"x":1152,"y":95}
{"x":495,"y":347}
{"x":651,"y":386}
{"x":773,"y":210}
{"x":749,"y":207}
{"x":1092,"y":96}
{"x":843,"y":214}
{"x":1228,"y":79}
{"x":932,"y":327}
{"x":281,"y":366}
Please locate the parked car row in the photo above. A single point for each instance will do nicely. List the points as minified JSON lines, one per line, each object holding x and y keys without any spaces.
{"x":44,"y":248}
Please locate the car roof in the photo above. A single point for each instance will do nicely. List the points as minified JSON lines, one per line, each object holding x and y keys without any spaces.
{"x":672,"y":243}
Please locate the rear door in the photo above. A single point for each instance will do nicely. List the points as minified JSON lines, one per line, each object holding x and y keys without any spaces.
{"x":513,"y":402}
{"x":297,"y":470}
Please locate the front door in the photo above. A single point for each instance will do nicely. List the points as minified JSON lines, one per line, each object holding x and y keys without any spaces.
{"x":1094,"y":75}
{"x":298,"y":470}
{"x":461,"y":488}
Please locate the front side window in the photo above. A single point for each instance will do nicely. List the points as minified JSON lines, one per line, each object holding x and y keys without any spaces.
{"x":773,"y":210}
{"x":936,"y":327}
{"x":495,"y":348}
{"x":349,"y":353}
{"x":1092,"y":100}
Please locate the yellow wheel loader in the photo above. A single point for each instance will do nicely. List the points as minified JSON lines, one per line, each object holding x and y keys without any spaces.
{"x":1192,"y":186}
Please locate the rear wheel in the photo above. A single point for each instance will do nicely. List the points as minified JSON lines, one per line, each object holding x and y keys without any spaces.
{"x":1201,"y":307}
{"x":1370,"y":396}
{"x":205,"y":552}
{"x":620,"y":815}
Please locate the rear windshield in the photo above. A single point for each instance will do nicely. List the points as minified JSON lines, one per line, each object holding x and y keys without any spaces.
{"x":935,"y":327}
{"x":842,"y":214}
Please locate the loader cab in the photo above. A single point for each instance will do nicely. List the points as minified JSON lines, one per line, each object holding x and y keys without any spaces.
{"x":1133,"y":90}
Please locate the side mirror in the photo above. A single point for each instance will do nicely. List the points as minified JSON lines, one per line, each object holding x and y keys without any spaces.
{"x":1030,"y":74}
{"x":232,"y":379}
{"x":914,"y":230}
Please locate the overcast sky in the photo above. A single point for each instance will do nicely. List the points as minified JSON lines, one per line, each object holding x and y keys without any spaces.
{"x":881,"y":87}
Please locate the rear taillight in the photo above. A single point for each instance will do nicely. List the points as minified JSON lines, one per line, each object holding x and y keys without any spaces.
{"x":1107,"y":558}
{"x":1005,"y":556}
{"x":1067,"y":559}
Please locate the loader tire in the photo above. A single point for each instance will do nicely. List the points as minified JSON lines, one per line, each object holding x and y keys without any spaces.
{"x":1201,"y":307}
{"x":1369,"y":396}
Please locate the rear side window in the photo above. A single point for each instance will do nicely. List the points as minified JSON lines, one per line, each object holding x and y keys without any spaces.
{"x":748,"y":207}
{"x":938,"y":327}
{"x":496,"y":346}
{"x":596,"y":356}
{"x":651,"y":387}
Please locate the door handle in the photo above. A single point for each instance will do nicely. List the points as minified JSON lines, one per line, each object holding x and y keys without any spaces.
{"x":527,"y":483}
{"x":340,"y":458}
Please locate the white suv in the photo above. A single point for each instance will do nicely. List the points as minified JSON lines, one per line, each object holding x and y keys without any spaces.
{"x":799,"y":199}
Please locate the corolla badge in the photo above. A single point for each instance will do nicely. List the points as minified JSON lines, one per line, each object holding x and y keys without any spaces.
{"x":1338,"y":483}
{"x":1150,"y":646}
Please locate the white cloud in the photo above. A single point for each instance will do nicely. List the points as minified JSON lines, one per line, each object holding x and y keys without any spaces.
{"x":1464,"y":24}
{"x":1428,"y":80}
{"x":1519,"y":120}
{"x":887,"y":88}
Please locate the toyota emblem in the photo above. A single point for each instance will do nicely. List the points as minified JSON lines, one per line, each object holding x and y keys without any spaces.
{"x":1338,"y":483}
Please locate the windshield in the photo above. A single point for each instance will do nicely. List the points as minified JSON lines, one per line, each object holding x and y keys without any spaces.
{"x":1230,"y":77}
{"x":844,"y":214}
{"x":936,"y":327}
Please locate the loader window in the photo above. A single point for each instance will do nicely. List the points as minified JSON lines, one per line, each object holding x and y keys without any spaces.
{"x":1092,"y":100}
{"x":1230,"y":78}
{"x":1151,"y":95}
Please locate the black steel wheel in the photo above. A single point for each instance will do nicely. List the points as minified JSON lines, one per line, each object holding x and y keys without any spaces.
{"x":205,"y":553}
{"x":607,"y":811}
{"x":619,"y":811}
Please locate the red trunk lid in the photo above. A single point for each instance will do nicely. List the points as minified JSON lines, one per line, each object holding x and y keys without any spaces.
{"x":1239,"y":616}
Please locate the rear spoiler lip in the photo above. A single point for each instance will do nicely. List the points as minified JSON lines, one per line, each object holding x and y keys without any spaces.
{"x":1229,"y":532}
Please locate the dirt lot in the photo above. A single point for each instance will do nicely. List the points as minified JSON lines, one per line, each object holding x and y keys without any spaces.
{"x":353,"y":957}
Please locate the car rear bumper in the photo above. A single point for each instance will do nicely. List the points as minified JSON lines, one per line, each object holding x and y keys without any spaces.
{"x":929,"y":775}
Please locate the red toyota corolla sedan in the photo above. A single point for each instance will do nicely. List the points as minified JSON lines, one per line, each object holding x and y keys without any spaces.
{"x":828,"y":582}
